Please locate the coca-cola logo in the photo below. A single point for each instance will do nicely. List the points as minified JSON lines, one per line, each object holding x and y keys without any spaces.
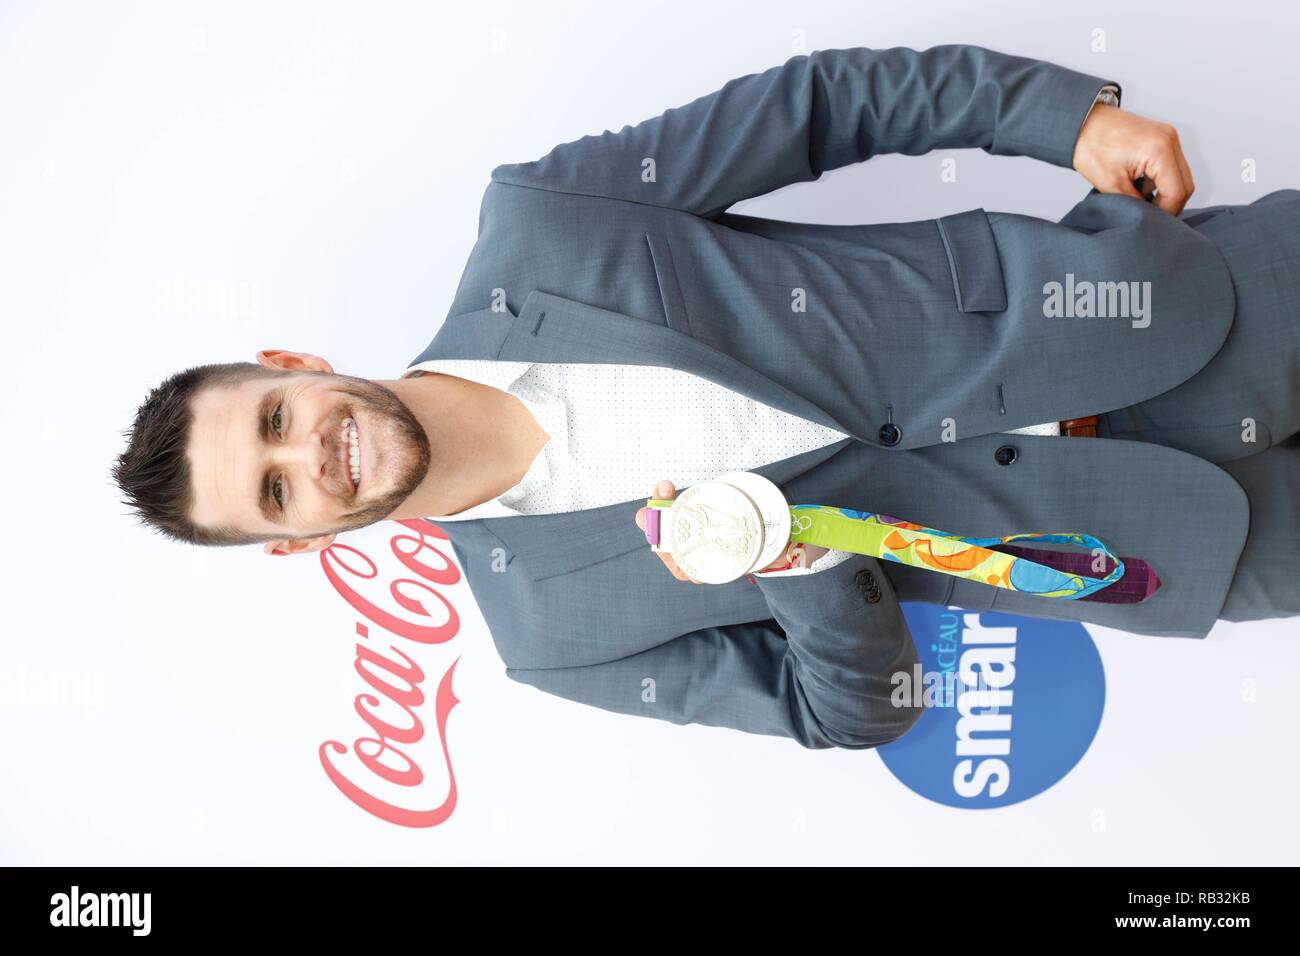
{"x":388,"y":760}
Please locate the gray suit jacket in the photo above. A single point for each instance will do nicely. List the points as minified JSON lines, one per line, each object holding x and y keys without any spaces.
{"x":584,"y":256}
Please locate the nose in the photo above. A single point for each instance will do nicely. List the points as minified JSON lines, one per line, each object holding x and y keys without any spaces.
{"x":310,"y":456}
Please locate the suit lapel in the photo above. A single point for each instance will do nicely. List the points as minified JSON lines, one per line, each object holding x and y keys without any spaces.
{"x":550,"y":328}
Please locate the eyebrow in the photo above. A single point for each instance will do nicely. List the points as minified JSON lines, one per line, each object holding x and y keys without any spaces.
{"x":264,"y":503}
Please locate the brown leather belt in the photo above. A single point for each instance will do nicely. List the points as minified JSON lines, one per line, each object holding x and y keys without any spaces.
{"x":1080,"y":427}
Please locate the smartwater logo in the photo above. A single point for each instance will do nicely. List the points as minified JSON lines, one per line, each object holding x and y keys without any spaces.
{"x":102,"y":909}
{"x":1013,"y":703}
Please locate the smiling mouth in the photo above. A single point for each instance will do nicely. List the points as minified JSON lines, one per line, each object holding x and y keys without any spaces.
{"x":350,"y":454}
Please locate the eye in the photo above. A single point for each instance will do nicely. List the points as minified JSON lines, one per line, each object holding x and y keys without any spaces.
{"x":277,"y":425}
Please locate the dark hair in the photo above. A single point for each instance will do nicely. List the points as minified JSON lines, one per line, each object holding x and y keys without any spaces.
{"x":154,"y":471}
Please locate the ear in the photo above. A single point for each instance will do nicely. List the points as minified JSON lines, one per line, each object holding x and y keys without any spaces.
{"x":298,"y":545}
{"x":293,"y":361}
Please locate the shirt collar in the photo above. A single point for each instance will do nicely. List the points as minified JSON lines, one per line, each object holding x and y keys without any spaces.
{"x":546,"y":407}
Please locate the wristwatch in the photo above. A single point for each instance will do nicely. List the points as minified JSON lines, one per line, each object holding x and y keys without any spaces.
{"x":1107,"y":96}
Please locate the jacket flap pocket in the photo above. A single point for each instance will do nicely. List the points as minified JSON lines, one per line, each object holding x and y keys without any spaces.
{"x":669,"y":289}
{"x":973,"y":259}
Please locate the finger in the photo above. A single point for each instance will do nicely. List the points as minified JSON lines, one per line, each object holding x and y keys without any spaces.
{"x":677,"y":572}
{"x":664,"y":490}
{"x":1171,"y":193}
{"x":1186,"y":169}
{"x":1122,"y":184}
{"x":673,"y":569}
{"x":639,"y":518}
{"x":1179,"y":162}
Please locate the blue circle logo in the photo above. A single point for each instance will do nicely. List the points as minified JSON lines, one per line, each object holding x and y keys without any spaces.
{"x":1012,"y":704}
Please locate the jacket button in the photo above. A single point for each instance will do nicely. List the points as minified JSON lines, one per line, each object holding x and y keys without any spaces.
{"x":873,"y":595}
{"x":890,"y":434}
{"x":864,"y":579}
{"x":1006,"y":454}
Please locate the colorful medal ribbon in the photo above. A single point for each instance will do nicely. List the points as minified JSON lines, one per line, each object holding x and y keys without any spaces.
{"x":736,"y":523}
{"x":865,"y":532}
{"x":890,"y":539}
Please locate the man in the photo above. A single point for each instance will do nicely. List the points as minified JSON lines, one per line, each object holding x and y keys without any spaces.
{"x":615,"y":326}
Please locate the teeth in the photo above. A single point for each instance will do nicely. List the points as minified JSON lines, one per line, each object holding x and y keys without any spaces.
{"x":354,"y":451}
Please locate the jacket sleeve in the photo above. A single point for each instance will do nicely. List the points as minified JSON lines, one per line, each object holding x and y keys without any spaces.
{"x":821,"y":111}
{"x":821,"y":670}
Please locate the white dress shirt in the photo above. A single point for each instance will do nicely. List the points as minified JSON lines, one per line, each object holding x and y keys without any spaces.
{"x":618,"y":430}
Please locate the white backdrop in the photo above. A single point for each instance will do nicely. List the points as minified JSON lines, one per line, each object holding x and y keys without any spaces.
{"x":185,"y":183}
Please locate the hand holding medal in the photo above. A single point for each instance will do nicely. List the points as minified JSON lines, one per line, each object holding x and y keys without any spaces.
{"x":717,"y":531}
{"x":793,"y":554}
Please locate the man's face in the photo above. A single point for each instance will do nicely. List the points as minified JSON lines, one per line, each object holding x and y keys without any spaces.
{"x":270,"y":456}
